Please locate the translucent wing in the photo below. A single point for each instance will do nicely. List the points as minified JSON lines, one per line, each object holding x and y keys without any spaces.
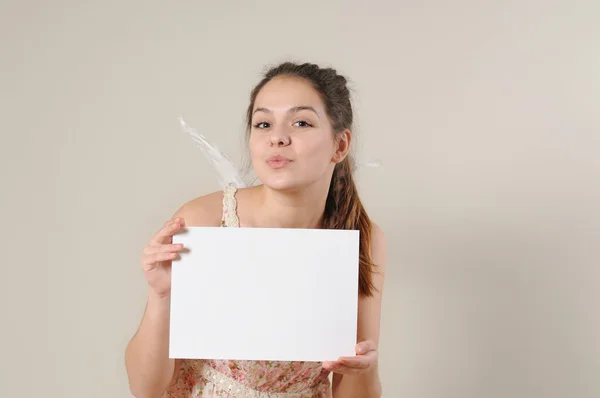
{"x":367,"y":163}
{"x":227,"y":172}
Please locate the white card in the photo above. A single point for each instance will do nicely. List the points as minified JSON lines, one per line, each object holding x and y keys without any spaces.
{"x":264,"y":294}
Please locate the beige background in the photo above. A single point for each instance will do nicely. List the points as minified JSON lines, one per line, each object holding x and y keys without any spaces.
{"x":486,"y":119}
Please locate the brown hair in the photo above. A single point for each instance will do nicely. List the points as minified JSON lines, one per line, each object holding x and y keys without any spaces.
{"x":343,"y":209}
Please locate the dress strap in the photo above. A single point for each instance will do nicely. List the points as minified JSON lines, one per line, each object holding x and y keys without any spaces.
{"x":230,"y":218}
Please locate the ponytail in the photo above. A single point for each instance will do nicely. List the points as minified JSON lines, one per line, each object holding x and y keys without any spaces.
{"x":344,"y":210}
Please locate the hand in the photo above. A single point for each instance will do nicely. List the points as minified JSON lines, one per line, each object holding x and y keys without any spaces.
{"x":158,"y":256}
{"x":365,"y":359}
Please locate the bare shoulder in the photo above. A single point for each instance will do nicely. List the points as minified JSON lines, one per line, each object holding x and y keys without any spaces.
{"x":203,"y":211}
{"x":207,"y":210}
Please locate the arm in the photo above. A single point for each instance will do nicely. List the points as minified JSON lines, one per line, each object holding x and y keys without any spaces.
{"x":149,"y":368}
{"x":366,"y":383}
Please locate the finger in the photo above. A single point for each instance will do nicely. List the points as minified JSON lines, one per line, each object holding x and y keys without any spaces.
{"x":159,"y":257}
{"x":152,"y":261}
{"x":336,"y":367}
{"x":166,"y":233}
{"x":172,"y":247}
{"x":349,"y":362}
{"x":359,"y":362}
{"x":365,"y":346}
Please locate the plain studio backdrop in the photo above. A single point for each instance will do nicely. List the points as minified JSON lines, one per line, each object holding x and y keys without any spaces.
{"x":486,"y":120}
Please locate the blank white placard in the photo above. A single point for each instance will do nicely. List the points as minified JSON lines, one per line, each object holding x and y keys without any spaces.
{"x":264,"y":294}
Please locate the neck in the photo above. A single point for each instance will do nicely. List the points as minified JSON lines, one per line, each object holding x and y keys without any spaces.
{"x":300,"y":208}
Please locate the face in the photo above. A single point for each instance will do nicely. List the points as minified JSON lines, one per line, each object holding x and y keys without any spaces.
{"x":291,"y":140}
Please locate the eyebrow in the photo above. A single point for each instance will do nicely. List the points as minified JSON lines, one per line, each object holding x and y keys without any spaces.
{"x":291,"y":110}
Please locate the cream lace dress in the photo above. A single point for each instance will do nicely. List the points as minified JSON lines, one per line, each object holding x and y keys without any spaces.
{"x":248,"y":379}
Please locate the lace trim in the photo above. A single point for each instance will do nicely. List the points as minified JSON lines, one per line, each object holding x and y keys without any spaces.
{"x":230,"y":218}
{"x":239,"y":390}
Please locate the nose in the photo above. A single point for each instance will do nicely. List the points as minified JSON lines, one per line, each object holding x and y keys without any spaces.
{"x":279,"y":138}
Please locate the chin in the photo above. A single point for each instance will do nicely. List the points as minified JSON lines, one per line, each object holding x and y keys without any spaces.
{"x":279,"y":181}
{"x":279,"y":184}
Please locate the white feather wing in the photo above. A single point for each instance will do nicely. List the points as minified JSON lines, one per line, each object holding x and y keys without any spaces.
{"x":227,"y":172}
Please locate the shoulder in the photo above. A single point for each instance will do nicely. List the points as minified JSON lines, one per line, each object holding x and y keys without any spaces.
{"x":207,"y":210}
{"x":203,"y":211}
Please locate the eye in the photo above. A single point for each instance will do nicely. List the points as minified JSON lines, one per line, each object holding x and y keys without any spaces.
{"x":302,"y":123}
{"x":262,"y":125}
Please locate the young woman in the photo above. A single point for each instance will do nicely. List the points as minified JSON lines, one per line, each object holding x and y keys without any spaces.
{"x":299,"y":133}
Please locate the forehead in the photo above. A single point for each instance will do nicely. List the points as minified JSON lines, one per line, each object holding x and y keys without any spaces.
{"x":285,"y":92}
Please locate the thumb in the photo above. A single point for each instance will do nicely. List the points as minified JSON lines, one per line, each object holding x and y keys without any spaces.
{"x":365,"y":346}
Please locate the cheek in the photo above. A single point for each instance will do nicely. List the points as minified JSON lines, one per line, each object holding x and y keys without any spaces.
{"x":320,"y":149}
{"x":255,"y":146}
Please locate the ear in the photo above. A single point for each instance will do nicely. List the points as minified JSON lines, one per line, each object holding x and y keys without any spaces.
{"x":342,"y":146}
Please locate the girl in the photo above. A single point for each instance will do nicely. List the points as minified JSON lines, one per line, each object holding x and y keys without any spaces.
{"x":299,"y":124}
